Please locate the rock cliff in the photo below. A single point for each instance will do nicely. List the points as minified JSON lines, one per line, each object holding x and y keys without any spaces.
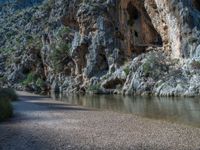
{"x":145,"y":47}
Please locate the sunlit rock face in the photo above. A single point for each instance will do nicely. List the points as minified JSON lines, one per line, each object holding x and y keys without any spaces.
{"x":112,"y":32}
{"x":172,"y":24}
{"x":178,"y":23}
{"x":127,"y":28}
{"x":122,"y":46}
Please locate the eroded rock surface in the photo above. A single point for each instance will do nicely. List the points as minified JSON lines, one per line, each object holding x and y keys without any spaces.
{"x":103,"y":46}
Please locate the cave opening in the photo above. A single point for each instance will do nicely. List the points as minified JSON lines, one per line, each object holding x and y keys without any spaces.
{"x":133,"y":14}
{"x":140,"y":32}
{"x":25,"y":70}
{"x":136,"y":34}
{"x":196,"y":4}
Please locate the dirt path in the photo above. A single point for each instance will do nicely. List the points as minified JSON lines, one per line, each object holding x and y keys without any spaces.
{"x":41,"y":123}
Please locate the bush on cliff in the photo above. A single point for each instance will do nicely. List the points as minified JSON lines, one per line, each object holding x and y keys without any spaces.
{"x":31,"y":78}
{"x":58,"y":56}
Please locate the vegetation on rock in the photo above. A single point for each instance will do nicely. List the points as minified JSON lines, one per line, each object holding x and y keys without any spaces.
{"x":70,"y":44}
{"x":94,"y":88}
{"x":31,"y":78}
{"x":59,"y":55}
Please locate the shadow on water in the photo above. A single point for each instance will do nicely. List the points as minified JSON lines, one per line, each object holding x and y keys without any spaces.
{"x":27,"y":110}
{"x":27,"y":98}
{"x":38,"y":100}
{"x":180,"y":110}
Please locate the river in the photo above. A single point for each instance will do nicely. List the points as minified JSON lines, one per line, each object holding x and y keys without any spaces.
{"x":178,"y":110}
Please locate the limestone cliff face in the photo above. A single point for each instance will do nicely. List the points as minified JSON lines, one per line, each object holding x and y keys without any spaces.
{"x":136,"y":27}
{"x":131,"y":26}
{"x":106,"y":46}
{"x":178,"y":23}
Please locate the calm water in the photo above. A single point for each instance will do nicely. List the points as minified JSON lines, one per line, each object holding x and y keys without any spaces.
{"x":179,"y":110}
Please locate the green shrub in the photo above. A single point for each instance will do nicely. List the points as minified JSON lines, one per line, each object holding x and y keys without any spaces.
{"x":33,"y":42}
{"x":94,"y":88}
{"x":40,"y":82}
{"x":2,"y":80}
{"x":195,"y":64}
{"x":63,"y":31}
{"x":6,"y":96}
{"x":7,"y":50}
{"x":48,"y":6}
{"x":147,"y":68}
{"x":6,"y":109}
{"x":31,"y":78}
{"x":8,"y":93}
{"x":127,"y":70}
{"x":58,"y":56}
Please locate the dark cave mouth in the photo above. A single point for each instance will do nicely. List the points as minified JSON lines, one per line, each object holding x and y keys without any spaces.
{"x":142,"y":30}
{"x":196,"y":4}
{"x":133,"y":13}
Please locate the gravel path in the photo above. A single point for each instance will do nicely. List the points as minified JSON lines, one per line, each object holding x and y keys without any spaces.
{"x":41,"y":123}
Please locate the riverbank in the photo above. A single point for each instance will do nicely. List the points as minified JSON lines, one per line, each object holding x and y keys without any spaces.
{"x":42,"y":123}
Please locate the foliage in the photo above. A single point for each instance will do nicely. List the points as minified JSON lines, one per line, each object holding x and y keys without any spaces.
{"x":6,"y":96}
{"x":7,"y":50}
{"x":94,"y":88}
{"x":58,"y":56}
{"x":2,"y":80}
{"x":6,"y":110}
{"x":8,"y":93}
{"x":40,"y":82}
{"x":127,"y":70}
{"x":48,"y":5}
{"x":34,"y":41}
{"x":146,"y":68}
{"x":195,"y":64}
{"x":63,"y":31}
{"x":31,"y":78}
{"x":148,"y":64}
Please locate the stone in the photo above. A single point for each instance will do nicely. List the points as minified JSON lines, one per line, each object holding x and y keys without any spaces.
{"x":146,"y":47}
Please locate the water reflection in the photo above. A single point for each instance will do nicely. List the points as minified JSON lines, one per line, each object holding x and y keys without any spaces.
{"x":181,"y":110}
